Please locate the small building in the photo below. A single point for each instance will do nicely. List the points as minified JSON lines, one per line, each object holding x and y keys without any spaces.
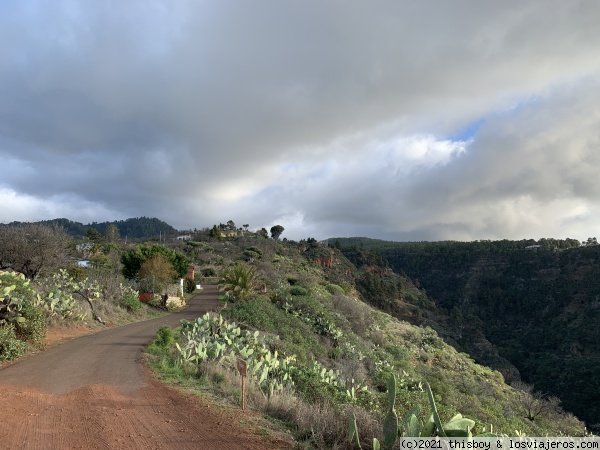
{"x":185,"y":237}
{"x":84,"y":246}
{"x":232,"y":233}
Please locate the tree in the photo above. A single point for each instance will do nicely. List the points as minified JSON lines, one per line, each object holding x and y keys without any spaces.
{"x":134,"y":258}
{"x":535,"y":403}
{"x":263,"y":233}
{"x":156,"y":273}
{"x":93,"y":235}
{"x":240,"y":281}
{"x":215,"y":232}
{"x":276,"y":231}
{"x":33,"y":248}
{"x":112,"y":233}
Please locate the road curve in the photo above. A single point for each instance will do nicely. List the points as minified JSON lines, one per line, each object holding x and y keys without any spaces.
{"x":93,"y":392}
{"x":108,"y":357}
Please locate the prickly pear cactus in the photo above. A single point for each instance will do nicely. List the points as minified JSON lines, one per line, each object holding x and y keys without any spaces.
{"x":390,"y":423}
{"x":457,"y":426}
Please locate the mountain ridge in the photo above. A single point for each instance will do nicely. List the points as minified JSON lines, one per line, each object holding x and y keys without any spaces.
{"x":134,"y":228}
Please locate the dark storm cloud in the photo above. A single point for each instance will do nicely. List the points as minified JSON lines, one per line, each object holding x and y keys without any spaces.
{"x":327,"y":115}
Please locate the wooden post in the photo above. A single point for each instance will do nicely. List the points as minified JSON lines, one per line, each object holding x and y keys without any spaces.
{"x":242,"y":368}
{"x":243,"y":393}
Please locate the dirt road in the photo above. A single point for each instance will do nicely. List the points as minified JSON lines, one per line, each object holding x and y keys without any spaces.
{"x":94,"y":393}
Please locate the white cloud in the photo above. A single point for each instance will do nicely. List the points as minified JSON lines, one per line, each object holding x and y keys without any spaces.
{"x":25,"y":208}
{"x":333,"y":117}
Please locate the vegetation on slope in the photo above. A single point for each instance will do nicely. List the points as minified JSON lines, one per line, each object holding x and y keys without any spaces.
{"x":535,"y":301}
{"x":134,"y":228}
{"x":340,"y":325}
{"x":310,"y":308}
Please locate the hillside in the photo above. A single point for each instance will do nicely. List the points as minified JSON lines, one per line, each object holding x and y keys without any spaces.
{"x":355,"y":316}
{"x":537,"y":302}
{"x":134,"y":228}
{"x":322,"y":330}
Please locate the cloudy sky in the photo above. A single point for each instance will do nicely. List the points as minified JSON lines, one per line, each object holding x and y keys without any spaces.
{"x":400,"y":119}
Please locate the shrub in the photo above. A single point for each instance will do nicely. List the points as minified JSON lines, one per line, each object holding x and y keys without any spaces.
{"x":310,"y":386}
{"x":189,"y":285}
{"x":335,"y":289}
{"x":78,"y":273}
{"x":164,"y":337}
{"x":10,"y":346}
{"x":175,"y":303}
{"x":33,"y":328}
{"x":155,"y":301}
{"x":130,"y":302}
{"x":295,"y":336}
{"x":208,"y":272}
{"x":298,"y":291}
{"x":18,"y":308}
{"x":251,"y":255}
{"x":255,"y":249}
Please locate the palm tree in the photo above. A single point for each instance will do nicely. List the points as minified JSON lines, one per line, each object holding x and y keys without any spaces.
{"x":240,"y":281}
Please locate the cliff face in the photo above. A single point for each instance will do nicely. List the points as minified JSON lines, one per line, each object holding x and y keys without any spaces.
{"x":539,"y":308}
{"x":325,"y":261}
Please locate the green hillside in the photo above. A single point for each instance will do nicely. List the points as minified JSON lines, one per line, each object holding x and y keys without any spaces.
{"x":323,"y":328}
{"x":134,"y":228}
{"x":353,"y":315}
{"x":537,"y":302}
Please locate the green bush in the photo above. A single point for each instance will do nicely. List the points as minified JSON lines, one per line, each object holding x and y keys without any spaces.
{"x":295,"y":336}
{"x":130,"y":302}
{"x":298,"y":291}
{"x":208,"y":272}
{"x":33,"y":328}
{"x":312,"y":389}
{"x":255,"y":249}
{"x":164,"y":337}
{"x":189,"y":285}
{"x":10,"y":346}
{"x":251,"y":255}
{"x":335,"y":289}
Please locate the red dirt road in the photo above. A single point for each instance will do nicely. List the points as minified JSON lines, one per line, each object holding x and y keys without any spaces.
{"x":95,"y":393}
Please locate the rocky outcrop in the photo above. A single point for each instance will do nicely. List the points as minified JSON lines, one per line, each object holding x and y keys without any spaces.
{"x":325,"y":261}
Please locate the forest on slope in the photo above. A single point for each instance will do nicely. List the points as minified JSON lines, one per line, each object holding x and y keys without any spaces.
{"x":536,"y":302}
{"x":133,"y":228}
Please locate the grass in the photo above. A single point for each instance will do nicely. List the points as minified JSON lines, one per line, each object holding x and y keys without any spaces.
{"x":294,"y":336}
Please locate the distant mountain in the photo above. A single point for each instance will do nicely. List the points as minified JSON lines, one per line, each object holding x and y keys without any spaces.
{"x":135,"y":228}
{"x":138,"y":228}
